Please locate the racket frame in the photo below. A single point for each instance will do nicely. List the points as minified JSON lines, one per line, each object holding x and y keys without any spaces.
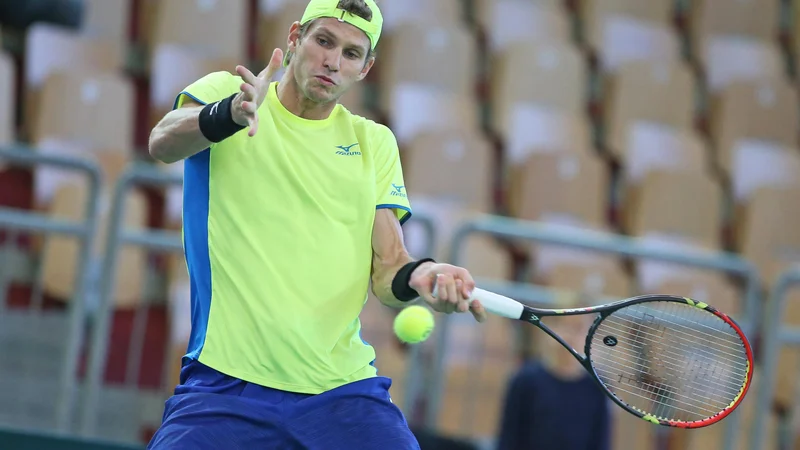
{"x":534,"y":315}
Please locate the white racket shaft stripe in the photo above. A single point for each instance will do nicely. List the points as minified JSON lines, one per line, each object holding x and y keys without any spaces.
{"x":497,"y":304}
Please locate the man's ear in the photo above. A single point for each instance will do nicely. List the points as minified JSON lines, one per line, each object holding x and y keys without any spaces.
{"x":367,"y":67}
{"x":294,"y":37}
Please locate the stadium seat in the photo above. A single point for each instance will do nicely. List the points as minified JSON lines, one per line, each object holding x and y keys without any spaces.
{"x":757,"y":163}
{"x":538,"y":129}
{"x":595,"y":15}
{"x":187,"y":22}
{"x":653,"y":146}
{"x":728,"y":59}
{"x":552,"y":75}
{"x":51,"y":49}
{"x":768,"y":233}
{"x":591,"y":284}
{"x":420,"y":108}
{"x":764,"y":110}
{"x":166,"y":82}
{"x":451,"y":165}
{"x":414,"y":49}
{"x":8,"y":100}
{"x":274,"y":20}
{"x":59,"y":278}
{"x":108,"y":19}
{"x":755,"y":19}
{"x":507,"y":22}
{"x":788,"y":357}
{"x":396,"y":13}
{"x":551,"y":185}
{"x":75,"y":106}
{"x":657,"y":92}
{"x":626,"y":39}
{"x":679,"y":205}
{"x":179,"y":312}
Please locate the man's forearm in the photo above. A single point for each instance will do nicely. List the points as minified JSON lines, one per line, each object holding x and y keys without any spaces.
{"x":178,"y":136}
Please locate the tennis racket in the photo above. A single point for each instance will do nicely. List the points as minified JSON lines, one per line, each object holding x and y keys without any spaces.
{"x":670,"y":360}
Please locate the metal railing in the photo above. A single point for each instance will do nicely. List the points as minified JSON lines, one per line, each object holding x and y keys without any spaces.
{"x":587,"y":240}
{"x":774,"y":336}
{"x":159,"y":241}
{"x":28,"y":221}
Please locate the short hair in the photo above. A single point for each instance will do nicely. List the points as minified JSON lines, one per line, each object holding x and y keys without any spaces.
{"x":355,"y":7}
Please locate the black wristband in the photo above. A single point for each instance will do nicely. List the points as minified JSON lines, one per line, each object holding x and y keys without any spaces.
{"x":400,"y":288}
{"x":216,"y":121}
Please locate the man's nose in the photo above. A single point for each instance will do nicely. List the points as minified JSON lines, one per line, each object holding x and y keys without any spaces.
{"x":333,"y":60}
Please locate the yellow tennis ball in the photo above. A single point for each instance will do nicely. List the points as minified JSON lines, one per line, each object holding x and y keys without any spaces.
{"x":414,"y":324}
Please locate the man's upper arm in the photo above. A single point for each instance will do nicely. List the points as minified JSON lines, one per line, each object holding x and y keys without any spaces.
{"x":390,"y":186}
{"x":388,"y":245}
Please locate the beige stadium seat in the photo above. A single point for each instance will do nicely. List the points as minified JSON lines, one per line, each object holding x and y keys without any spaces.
{"x":75,"y":106}
{"x":728,"y":59}
{"x":60,"y":254}
{"x":478,"y":366}
{"x":414,"y":49}
{"x":51,"y":49}
{"x":507,"y":22}
{"x":764,"y":110}
{"x":451,"y":165}
{"x":756,"y":164}
{"x":788,"y":367}
{"x":569,"y":185}
{"x":768,"y":233}
{"x":756,"y":19}
{"x":648,"y":91}
{"x":682,"y":205}
{"x":107,"y":19}
{"x":274,"y":20}
{"x":396,"y":13}
{"x":536,"y":128}
{"x":595,"y":14}
{"x":653,"y":146}
{"x":187,"y":22}
{"x":591,"y":284}
{"x":419,"y":108}
{"x":8,"y":99}
{"x":626,"y":39}
{"x":552,"y":75}
{"x":166,"y":82}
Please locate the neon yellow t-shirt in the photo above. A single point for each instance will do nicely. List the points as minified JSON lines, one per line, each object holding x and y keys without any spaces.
{"x":278,"y":239}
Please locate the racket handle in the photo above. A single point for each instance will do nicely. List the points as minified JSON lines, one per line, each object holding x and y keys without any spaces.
{"x":496,"y":304}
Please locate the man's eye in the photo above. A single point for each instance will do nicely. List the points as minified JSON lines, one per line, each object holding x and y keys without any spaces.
{"x":352,"y":55}
{"x":322,"y":41}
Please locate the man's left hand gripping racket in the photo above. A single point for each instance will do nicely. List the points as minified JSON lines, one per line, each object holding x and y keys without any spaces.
{"x":670,"y":360}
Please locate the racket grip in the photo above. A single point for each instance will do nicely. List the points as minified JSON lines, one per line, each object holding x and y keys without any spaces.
{"x":496,"y":304}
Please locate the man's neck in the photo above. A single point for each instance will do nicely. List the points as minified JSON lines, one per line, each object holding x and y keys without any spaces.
{"x":295,"y":102}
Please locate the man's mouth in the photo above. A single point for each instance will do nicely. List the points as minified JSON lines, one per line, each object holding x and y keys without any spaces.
{"x":325,"y":80}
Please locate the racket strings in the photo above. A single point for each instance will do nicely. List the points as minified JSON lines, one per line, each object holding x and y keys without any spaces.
{"x":669,"y":359}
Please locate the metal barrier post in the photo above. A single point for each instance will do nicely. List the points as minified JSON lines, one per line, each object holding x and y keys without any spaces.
{"x":115,"y":239}
{"x":774,"y":336}
{"x":588,"y":240}
{"x":30,"y":221}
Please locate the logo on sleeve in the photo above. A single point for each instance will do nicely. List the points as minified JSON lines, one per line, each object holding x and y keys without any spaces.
{"x":398,"y":191}
{"x":345,"y":150}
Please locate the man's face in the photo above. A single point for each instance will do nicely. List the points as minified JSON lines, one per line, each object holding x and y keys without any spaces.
{"x":331,"y":57}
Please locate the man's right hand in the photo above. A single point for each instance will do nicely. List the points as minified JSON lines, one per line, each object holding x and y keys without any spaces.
{"x":253,"y":92}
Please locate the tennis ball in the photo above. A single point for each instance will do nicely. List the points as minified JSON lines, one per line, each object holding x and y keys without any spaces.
{"x":413,"y":324}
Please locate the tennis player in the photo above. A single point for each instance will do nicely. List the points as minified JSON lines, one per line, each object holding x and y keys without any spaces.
{"x":292,"y":207}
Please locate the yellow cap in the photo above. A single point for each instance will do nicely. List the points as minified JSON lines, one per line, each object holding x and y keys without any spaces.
{"x":329,"y":8}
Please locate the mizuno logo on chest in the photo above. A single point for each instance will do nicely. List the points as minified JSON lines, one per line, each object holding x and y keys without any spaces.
{"x":344,"y":150}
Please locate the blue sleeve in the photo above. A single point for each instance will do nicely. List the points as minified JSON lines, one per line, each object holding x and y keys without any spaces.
{"x":515,"y":419}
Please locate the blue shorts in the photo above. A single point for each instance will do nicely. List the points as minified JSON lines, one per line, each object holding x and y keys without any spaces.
{"x":211,"y":410}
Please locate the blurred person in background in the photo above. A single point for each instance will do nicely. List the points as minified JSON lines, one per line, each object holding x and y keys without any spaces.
{"x":552,"y":403}
{"x":292,"y":205}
